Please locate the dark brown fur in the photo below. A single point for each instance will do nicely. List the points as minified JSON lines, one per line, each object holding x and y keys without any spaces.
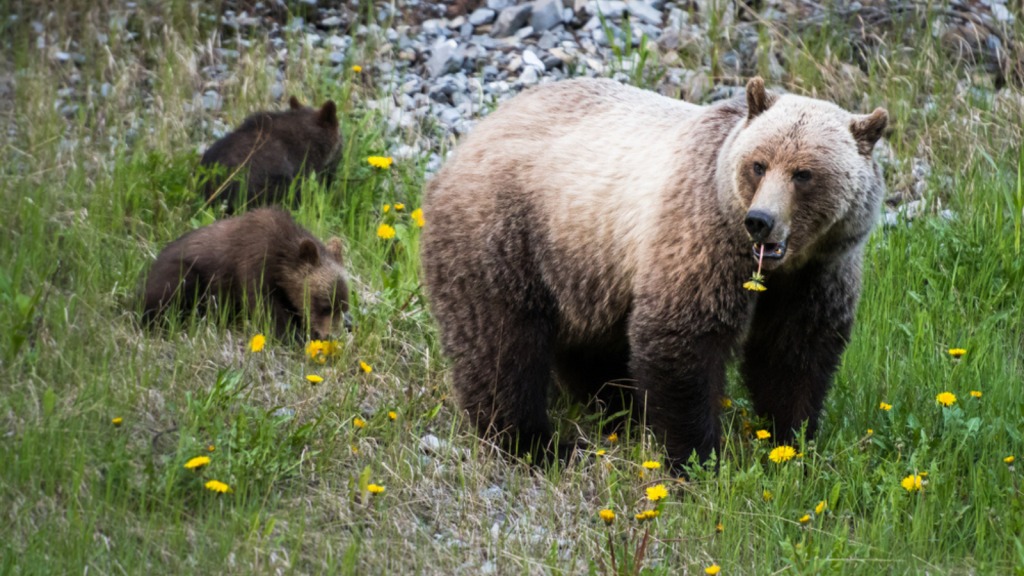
{"x":269,"y":150}
{"x":262,"y":257}
{"x":531,"y":270}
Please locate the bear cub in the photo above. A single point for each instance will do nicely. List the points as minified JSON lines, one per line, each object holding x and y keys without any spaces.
{"x":260,"y":258}
{"x":603,"y":234}
{"x":271,"y":149}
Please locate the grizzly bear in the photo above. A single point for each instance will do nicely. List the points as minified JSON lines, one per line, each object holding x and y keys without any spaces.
{"x":606,"y":233}
{"x":262,"y":258}
{"x":269,"y":150}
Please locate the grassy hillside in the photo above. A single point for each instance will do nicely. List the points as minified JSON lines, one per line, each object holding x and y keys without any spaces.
{"x":97,"y":158}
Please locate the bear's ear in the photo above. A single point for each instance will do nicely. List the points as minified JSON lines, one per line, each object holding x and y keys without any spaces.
{"x":328,"y":115}
{"x":758,"y":99}
{"x":335,"y":248}
{"x":867,"y":129}
{"x":294,"y":103}
{"x":308,"y":253}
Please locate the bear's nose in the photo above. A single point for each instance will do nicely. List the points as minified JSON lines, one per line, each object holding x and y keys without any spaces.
{"x":759,"y":224}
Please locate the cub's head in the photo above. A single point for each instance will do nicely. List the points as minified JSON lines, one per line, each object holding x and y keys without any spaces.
{"x":801,"y":176}
{"x":319,"y":126}
{"x":317,"y":286}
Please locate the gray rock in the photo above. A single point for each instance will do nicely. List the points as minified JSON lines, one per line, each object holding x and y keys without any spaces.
{"x":337,"y":57}
{"x":442,"y":59}
{"x":547,"y":41}
{"x":490,"y":73}
{"x":332,"y":22}
{"x":610,"y":8}
{"x":524,"y":33}
{"x":645,"y":12}
{"x":999,"y":12}
{"x":499,"y":5}
{"x":62,"y":56}
{"x":531,"y":59}
{"x":546,"y":14}
{"x":529,"y":76}
{"x":482,"y":16}
{"x":212,"y":100}
{"x":466,"y":31}
{"x":451,"y":117}
{"x":511,"y":20}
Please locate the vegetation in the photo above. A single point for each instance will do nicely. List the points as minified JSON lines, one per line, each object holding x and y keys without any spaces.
{"x":372,"y":470}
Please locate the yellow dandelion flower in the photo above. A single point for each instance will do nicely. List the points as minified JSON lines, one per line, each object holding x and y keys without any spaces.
{"x":355,"y":449}
{"x":382,"y":162}
{"x":399,"y":206}
{"x":211,"y":447}
{"x":608,"y":516}
{"x":946,"y":398}
{"x":357,"y":68}
{"x":640,"y":517}
{"x":652,"y":465}
{"x":719,"y":527}
{"x":393,"y":415}
{"x":911,"y":483}
{"x":600,"y":452}
{"x":957,"y":352}
{"x":374,"y":489}
{"x":613,"y":438}
{"x":217,"y":486}
{"x":1008,"y":459}
{"x":763,"y":434}
{"x":975,"y":394}
{"x":726,"y":403}
{"x":766,"y":495}
{"x":650,"y":514}
{"x":257,"y":342}
{"x":820,"y":507}
{"x":314,"y":378}
{"x":417,"y":216}
{"x":713,"y":569}
{"x":781,"y":454}
{"x":358,"y":423}
{"x":386,"y":209}
{"x":884,"y":406}
{"x":870,"y":431}
{"x":754,"y":285}
{"x":366,"y":367}
{"x":805,"y":519}
{"x":386,"y":232}
{"x":655,"y":493}
{"x":117,"y":421}
{"x":197,"y":462}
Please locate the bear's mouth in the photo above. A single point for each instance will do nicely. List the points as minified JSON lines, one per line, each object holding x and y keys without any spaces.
{"x":772,"y":250}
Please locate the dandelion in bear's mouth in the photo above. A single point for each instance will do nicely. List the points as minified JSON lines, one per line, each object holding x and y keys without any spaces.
{"x":781,"y":454}
{"x":217,"y":486}
{"x":655,"y":493}
{"x":756,"y":282}
{"x":608,"y":516}
{"x":257,"y":343}
{"x":946,"y":398}
{"x":763,"y":434}
{"x":197,"y":462}
{"x":957,"y":352}
{"x":912,"y":483}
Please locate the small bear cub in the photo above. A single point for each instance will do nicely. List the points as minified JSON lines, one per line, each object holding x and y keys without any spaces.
{"x":269,"y":150}
{"x":262,"y":258}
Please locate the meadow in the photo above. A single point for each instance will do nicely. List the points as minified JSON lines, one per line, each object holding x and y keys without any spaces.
{"x":373,"y":470}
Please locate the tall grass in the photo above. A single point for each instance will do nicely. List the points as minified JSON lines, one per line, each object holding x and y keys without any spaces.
{"x":89,"y":195}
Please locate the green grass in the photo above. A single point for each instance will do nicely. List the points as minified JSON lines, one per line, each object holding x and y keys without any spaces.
{"x":89,"y":196}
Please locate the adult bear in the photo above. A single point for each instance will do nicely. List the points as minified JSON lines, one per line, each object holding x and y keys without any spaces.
{"x":606,"y":232}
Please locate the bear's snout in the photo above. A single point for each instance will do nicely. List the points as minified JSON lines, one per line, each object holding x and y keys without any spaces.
{"x":759,"y":224}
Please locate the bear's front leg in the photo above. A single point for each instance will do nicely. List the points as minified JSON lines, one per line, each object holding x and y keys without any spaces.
{"x":800,"y":328}
{"x":678,"y":358}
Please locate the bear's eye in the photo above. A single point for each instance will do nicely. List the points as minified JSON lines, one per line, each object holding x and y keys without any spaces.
{"x":802,"y":176}
{"x":759,"y":169}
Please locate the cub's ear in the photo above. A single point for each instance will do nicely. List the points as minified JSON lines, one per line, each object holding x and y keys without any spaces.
{"x":294,"y":103}
{"x":867,"y":129}
{"x":308,"y":253}
{"x":758,"y":99}
{"x":328,"y":115}
{"x":335,"y":248}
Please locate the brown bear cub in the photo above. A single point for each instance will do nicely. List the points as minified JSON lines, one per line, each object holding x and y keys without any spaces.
{"x":605,"y":233}
{"x":270,"y":150}
{"x":262,"y":258}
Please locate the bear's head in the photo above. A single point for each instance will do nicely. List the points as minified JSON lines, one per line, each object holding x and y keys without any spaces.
{"x":799,"y":177}
{"x":319,"y":126}
{"x":316,"y":284}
